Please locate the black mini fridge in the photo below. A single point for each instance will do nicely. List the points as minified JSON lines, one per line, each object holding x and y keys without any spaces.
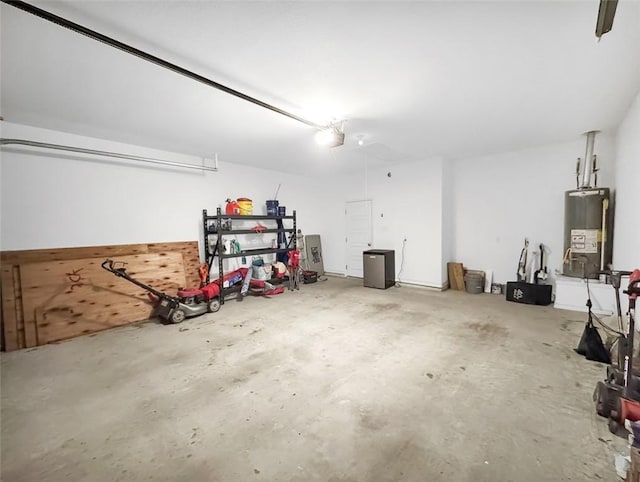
{"x":379,"y":268}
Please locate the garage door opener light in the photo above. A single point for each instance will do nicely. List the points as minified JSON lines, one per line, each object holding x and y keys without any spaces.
{"x":332,"y":136}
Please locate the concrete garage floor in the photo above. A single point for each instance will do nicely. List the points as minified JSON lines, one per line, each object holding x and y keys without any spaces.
{"x":335,"y":382}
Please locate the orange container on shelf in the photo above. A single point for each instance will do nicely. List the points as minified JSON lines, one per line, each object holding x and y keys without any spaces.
{"x":232,"y":207}
{"x":246,"y":206}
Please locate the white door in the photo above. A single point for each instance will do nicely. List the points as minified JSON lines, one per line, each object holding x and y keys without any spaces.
{"x":358,"y":239}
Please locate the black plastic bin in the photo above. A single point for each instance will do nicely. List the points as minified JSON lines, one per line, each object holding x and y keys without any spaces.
{"x":529,"y":293}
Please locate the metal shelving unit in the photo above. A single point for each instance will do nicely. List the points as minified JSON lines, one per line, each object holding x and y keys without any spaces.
{"x":212,"y":226}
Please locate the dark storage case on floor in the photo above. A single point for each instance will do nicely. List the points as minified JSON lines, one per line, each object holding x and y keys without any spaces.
{"x":309,"y":277}
{"x":529,"y":293}
{"x":379,"y":268}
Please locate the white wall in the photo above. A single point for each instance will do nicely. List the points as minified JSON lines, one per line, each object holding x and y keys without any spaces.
{"x":476,"y":211}
{"x":56,"y":199}
{"x":406,"y":205}
{"x":447,"y":217}
{"x":626,"y":240}
{"x":501,"y":199}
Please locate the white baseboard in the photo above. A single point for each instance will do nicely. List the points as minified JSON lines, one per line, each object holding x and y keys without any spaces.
{"x":412,"y":284}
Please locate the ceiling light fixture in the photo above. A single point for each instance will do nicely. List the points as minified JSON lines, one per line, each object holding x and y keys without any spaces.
{"x":332,"y":136}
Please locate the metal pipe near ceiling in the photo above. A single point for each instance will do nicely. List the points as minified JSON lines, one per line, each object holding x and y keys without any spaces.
{"x":588,"y":159}
{"x":63,"y":22}
{"x":93,"y":152}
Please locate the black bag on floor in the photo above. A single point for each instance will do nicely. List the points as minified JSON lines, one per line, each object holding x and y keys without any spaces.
{"x":591,"y":345}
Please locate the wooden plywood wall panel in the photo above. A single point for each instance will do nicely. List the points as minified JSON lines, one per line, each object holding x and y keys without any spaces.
{"x":189,"y":250}
{"x":63,"y":299}
{"x":190,"y":256}
{"x":61,"y":254}
{"x":9,"y":309}
{"x":19,"y":333}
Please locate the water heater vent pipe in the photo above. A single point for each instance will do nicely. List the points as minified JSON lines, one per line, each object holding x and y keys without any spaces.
{"x":588,"y":160}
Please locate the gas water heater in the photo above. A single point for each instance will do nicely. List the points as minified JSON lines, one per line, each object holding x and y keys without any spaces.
{"x":587,"y":221}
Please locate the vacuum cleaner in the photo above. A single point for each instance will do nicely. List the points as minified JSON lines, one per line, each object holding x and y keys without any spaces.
{"x":618,"y":397}
{"x":174,"y":309}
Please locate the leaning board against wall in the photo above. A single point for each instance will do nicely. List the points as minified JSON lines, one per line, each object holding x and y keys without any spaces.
{"x":56,"y":294}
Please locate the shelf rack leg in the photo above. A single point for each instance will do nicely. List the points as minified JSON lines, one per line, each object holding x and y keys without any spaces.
{"x":220,"y":248}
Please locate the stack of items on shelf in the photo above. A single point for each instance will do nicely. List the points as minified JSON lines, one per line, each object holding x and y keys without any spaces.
{"x":253,"y":261}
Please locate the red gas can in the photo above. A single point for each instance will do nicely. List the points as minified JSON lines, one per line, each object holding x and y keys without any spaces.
{"x":232,"y":207}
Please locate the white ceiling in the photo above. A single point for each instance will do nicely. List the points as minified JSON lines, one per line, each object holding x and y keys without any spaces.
{"x":415,"y":79}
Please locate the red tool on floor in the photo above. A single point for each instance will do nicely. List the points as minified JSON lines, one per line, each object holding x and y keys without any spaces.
{"x":264,"y":288}
{"x":251,"y":285}
{"x":295,"y":270}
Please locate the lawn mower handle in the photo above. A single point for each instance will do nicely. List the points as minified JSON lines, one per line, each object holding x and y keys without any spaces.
{"x":107,"y":264}
{"x":615,"y":272}
{"x":615,"y":276}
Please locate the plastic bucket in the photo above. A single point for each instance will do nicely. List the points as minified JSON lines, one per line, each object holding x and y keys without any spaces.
{"x":474,"y":283}
{"x":282,"y":211}
{"x":272,"y":207}
{"x":246,"y":206}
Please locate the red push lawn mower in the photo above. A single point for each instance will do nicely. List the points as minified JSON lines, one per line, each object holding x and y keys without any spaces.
{"x":618,"y":397}
{"x":174,"y":309}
